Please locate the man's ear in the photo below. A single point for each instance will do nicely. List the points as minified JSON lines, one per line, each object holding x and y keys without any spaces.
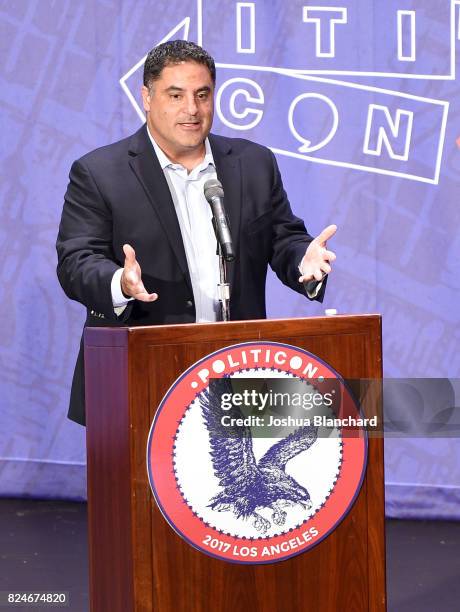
{"x":146,"y":97}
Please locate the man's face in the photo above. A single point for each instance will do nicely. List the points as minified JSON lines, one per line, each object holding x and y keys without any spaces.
{"x":179,"y":108}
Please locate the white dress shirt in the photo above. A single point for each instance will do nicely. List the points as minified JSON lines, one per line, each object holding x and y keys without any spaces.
{"x":195,"y":222}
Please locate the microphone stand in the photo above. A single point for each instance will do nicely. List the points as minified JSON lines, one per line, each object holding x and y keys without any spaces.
{"x":223,"y":287}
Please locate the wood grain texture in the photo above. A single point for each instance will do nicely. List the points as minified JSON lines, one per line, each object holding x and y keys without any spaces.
{"x":109,"y":476}
{"x":161,"y":572}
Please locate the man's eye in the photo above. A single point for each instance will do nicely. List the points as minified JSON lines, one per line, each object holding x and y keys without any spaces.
{"x":176,"y":96}
{"x":203,"y":96}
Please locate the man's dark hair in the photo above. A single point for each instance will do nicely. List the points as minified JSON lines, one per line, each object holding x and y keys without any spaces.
{"x":175,"y":52}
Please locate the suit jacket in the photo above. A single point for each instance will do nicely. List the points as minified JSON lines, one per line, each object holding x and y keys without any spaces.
{"x":118,"y":194}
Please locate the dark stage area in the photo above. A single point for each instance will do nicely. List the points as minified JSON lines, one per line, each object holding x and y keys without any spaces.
{"x":44,"y":548}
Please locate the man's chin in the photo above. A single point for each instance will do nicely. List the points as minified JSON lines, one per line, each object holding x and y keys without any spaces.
{"x":193,"y":143}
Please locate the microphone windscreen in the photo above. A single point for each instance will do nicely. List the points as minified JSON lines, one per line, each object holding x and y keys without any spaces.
{"x":213,"y":188}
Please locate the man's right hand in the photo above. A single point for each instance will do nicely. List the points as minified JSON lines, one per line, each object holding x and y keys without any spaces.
{"x":131,"y":278}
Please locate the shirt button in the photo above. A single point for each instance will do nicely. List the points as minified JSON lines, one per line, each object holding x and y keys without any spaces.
{"x":189,"y":303}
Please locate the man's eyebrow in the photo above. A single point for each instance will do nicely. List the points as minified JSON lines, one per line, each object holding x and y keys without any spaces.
{"x":174,"y":88}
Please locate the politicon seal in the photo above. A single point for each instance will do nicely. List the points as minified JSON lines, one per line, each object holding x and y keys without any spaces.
{"x":247,"y":458}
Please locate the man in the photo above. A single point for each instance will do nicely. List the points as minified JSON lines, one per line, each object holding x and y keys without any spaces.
{"x":136,"y":244}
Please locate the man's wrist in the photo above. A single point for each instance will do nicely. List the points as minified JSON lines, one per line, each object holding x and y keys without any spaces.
{"x":127,"y":297}
{"x":118,"y":297}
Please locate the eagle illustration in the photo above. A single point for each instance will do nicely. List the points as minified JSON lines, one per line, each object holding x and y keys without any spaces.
{"x":248,"y":485}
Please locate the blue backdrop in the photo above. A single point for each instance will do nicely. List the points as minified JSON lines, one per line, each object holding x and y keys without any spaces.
{"x":360,"y":102}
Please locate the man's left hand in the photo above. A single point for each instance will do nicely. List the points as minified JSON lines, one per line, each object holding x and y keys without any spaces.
{"x":316,"y":262}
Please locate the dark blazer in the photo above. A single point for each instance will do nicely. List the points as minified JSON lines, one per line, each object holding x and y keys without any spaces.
{"x":118,"y":194}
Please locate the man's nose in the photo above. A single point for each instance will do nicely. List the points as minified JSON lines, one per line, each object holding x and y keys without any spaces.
{"x":191,"y":105}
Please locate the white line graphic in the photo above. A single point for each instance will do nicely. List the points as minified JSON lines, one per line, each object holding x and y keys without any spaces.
{"x":406,"y":20}
{"x":457,"y":6}
{"x":382,"y":135}
{"x":319,"y":41}
{"x":249,"y":14}
{"x":306,"y":145}
{"x":256,"y":112}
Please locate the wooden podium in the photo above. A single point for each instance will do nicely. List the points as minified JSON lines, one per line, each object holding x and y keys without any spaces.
{"x":137,"y":562}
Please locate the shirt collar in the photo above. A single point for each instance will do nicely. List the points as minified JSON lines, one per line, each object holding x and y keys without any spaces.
{"x":165,"y":162}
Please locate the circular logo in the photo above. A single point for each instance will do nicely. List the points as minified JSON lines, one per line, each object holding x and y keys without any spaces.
{"x":256,"y":453}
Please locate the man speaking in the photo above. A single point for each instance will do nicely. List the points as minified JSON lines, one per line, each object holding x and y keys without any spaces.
{"x":136,"y":243}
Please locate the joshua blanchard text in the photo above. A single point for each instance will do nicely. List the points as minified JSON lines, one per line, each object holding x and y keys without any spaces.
{"x":289,"y":421}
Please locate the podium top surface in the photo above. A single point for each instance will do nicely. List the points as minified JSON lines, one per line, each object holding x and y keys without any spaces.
{"x":258,"y":329}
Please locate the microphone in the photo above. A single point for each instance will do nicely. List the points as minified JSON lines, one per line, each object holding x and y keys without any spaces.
{"x":214,"y":194}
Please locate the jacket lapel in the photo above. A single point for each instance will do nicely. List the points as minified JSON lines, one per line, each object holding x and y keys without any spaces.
{"x":229,"y":174}
{"x":147,"y":168}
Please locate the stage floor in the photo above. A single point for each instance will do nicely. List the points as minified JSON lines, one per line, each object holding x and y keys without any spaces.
{"x":43,"y":548}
